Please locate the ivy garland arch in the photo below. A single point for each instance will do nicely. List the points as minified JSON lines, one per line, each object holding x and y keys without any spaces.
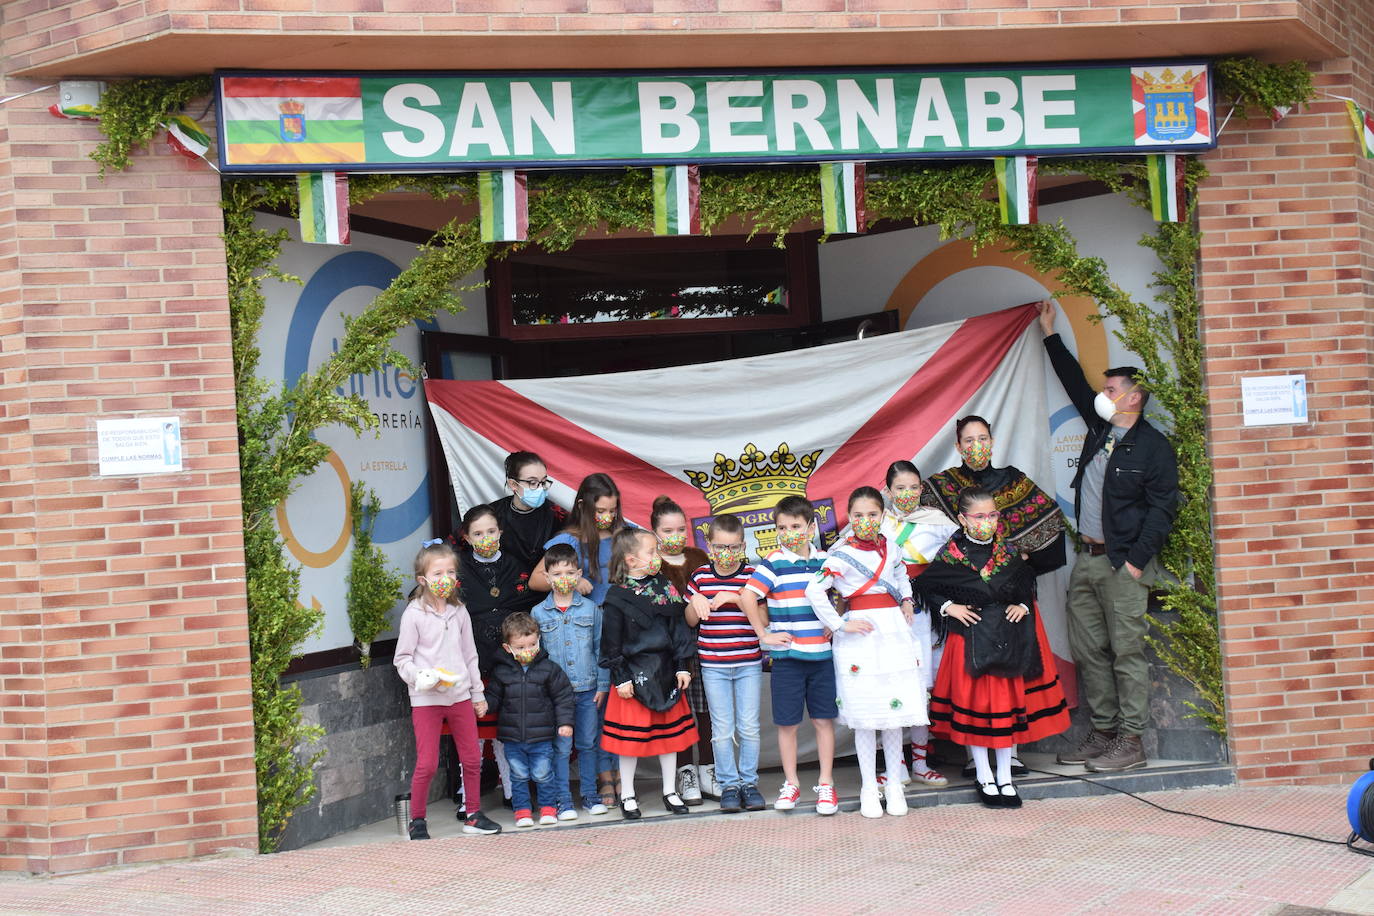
{"x":276,"y":425}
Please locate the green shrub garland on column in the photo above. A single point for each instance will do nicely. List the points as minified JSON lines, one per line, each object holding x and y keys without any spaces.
{"x":277,"y":447}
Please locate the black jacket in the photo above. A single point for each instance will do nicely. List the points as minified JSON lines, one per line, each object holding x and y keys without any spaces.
{"x":504,"y":576}
{"x":993,"y":645}
{"x":1140,"y":492}
{"x":645,"y":640}
{"x":530,"y":703}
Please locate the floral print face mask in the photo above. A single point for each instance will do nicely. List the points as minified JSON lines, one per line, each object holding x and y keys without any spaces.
{"x":977,"y":455}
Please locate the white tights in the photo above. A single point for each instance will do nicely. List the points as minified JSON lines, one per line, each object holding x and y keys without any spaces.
{"x":667,"y":763}
{"x":984,"y":770}
{"x":866,"y":748}
{"x":920,"y":739}
{"x":499,"y":752}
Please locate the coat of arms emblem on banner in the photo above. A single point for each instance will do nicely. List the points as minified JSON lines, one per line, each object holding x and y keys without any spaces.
{"x":751,"y":485}
{"x":291,"y":123}
{"x":1171,"y":106}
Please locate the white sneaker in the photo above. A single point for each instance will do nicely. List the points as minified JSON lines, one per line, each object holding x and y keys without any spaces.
{"x":688,"y":788}
{"x":707,"y":778}
{"x":871,"y":801}
{"x":568,"y":814}
{"x":598,"y":808}
{"x":896,"y":800}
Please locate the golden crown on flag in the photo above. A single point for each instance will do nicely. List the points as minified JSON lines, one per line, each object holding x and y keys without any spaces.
{"x":757,"y":480}
{"x":291,"y":107}
{"x":1168,"y":81}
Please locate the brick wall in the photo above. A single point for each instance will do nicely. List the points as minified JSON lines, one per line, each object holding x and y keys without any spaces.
{"x":126,"y":720}
{"x":1286,"y":261}
{"x":38,"y":31}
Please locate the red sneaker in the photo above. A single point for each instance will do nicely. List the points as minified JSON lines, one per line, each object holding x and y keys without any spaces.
{"x":826,"y":800}
{"x":548,"y":815}
{"x":523,"y":818}
{"x":787,"y":797}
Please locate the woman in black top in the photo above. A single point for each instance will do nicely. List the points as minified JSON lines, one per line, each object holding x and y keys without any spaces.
{"x":526,"y":517}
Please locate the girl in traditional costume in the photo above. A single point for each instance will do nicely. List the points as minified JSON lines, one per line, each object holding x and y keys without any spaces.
{"x":881,"y":687}
{"x":997,"y":684}
{"x":647,"y":646}
{"x":919,"y":533}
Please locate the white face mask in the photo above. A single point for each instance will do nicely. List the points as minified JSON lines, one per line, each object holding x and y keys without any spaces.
{"x":1106,"y":407}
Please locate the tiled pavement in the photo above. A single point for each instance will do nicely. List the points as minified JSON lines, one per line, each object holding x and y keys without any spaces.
{"x":1056,"y":855}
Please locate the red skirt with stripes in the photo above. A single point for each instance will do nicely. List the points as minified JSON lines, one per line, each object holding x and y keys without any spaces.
{"x":992,"y":711}
{"x":635,"y":730}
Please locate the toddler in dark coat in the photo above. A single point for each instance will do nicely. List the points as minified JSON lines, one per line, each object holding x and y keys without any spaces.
{"x":533,"y":702}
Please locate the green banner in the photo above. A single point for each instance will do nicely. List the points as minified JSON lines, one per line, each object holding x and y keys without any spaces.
{"x":298,"y":122}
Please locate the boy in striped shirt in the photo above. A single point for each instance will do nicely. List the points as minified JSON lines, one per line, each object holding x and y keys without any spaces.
{"x":803,"y":674}
{"x":731,"y":663}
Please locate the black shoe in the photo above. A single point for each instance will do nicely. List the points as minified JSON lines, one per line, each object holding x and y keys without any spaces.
{"x":477,"y":822}
{"x":969,"y":770}
{"x":753,"y":799}
{"x":1009,"y":800}
{"x":462,"y":813}
{"x":730,"y":801}
{"x":629,"y":808}
{"x":1018,"y":768}
{"x":508,"y":804}
{"x":673,"y":802}
{"x":419,"y":830}
{"x":990,"y":795}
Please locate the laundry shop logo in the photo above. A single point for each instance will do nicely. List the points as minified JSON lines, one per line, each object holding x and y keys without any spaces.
{"x":1067,"y":431}
{"x":395,"y":397}
{"x":751,"y":485}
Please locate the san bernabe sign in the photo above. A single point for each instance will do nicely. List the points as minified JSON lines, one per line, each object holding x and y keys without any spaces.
{"x":295,"y":122}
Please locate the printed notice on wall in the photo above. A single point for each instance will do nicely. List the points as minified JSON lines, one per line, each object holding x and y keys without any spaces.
{"x":142,"y":445}
{"x":1272,"y":399}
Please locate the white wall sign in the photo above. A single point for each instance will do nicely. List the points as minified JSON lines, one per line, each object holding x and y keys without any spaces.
{"x":1271,"y":399}
{"x":142,"y":445}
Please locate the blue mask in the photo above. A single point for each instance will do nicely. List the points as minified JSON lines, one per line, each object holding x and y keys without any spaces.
{"x":533,"y":498}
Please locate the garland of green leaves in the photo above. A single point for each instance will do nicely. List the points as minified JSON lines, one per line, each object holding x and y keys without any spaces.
{"x":277,"y":425}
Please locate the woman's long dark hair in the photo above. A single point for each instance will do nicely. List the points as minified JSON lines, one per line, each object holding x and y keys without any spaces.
{"x":582,"y":520}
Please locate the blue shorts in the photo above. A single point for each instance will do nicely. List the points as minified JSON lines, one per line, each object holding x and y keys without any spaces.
{"x":795,"y":682}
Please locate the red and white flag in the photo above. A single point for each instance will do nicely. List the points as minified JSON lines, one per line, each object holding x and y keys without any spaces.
{"x":741,"y":434}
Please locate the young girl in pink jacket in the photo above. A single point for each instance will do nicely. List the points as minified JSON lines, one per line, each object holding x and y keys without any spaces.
{"x":436,"y":657}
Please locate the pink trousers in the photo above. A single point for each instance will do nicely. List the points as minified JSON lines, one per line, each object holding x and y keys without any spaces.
{"x":462,"y":724}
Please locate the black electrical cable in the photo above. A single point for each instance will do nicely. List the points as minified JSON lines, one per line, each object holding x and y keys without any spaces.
{"x":1367,"y":802}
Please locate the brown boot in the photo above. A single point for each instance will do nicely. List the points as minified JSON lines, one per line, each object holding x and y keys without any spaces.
{"x":1124,"y":753}
{"x":1094,"y":743}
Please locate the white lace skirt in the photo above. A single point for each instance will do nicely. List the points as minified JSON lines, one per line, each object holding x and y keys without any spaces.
{"x":879,"y":675}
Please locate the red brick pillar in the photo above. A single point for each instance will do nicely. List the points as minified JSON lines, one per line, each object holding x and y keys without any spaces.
{"x":126,"y":720}
{"x":1288,"y":246}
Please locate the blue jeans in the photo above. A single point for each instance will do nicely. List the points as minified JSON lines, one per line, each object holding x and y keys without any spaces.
{"x":531,"y":760}
{"x":732,"y":695}
{"x":591,"y":759}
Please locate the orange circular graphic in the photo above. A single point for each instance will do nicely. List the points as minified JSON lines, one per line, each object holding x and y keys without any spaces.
{"x":957,"y":256}
{"x":323,"y":558}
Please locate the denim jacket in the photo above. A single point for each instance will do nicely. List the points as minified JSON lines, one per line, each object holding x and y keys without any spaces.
{"x":573,"y":638}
